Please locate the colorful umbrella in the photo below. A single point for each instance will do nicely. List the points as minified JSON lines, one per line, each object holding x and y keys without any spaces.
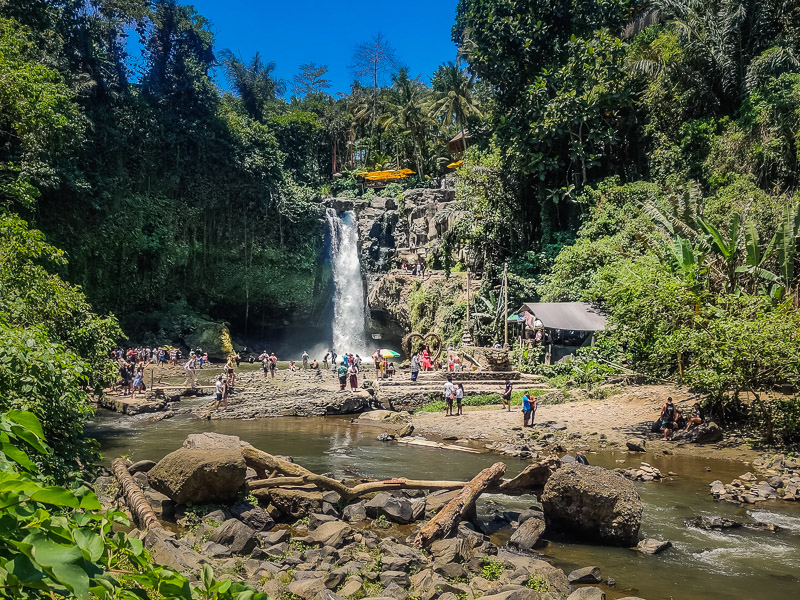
{"x":385,"y":353}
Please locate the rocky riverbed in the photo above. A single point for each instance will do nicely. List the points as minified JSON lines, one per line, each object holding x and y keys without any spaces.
{"x":298,"y":541}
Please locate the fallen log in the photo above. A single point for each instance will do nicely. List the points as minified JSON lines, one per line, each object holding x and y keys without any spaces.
{"x":140,"y":508}
{"x":446,"y":519}
{"x":531,"y":479}
{"x":276,"y":482}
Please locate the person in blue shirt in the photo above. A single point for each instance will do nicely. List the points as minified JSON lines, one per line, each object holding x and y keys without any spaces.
{"x":505,"y":399}
{"x":526,"y":409}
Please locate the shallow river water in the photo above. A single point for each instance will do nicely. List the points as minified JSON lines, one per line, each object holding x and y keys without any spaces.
{"x":737,"y":565}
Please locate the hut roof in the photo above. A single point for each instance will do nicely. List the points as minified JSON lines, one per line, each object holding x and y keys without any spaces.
{"x":571,"y":316}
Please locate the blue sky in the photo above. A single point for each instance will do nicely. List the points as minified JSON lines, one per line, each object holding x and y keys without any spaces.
{"x":292,"y":33}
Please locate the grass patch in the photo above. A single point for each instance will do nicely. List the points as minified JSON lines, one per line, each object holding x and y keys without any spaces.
{"x":481,"y":400}
{"x":492,"y":569}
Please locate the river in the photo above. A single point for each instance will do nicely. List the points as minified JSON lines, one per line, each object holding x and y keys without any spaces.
{"x":737,"y":565}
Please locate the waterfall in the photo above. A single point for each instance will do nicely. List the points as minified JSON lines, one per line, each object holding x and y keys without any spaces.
{"x":349,"y":305}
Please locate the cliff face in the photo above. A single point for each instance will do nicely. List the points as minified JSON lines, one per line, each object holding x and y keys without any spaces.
{"x":393,"y":231}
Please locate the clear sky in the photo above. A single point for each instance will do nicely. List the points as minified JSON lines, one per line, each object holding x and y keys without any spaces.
{"x":292,"y":32}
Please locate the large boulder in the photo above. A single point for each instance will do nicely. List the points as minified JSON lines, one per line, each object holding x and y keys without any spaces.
{"x":237,"y":536}
{"x":594,"y":503}
{"x":398,"y":510}
{"x":213,"y":441}
{"x":199,"y":476}
{"x":527,"y":535}
{"x":705,"y":433}
{"x":214,"y":338}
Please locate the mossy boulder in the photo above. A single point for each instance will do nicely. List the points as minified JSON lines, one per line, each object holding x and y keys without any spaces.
{"x":213,"y":337}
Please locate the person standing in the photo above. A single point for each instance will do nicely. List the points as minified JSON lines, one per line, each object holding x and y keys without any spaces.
{"x":220,"y":387}
{"x":273,"y":365}
{"x":449,"y":394}
{"x":414,"y":366}
{"x":341,"y":371}
{"x":526,"y":409}
{"x":353,"y":372}
{"x":189,"y":367}
{"x":505,"y":398}
{"x":668,"y":418}
{"x":231,"y":373}
{"x":325,"y":360}
{"x":534,"y":406}
{"x":265,"y":362}
{"x":305,"y":360}
{"x":459,"y":398}
{"x":333,"y":359}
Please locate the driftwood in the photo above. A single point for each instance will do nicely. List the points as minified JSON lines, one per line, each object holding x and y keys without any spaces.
{"x":268,"y":466}
{"x":134,"y":498}
{"x":446,"y":519}
{"x":531,"y":479}
{"x":294,"y":474}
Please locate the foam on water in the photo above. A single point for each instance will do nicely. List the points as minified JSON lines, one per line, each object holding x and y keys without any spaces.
{"x":788,"y":522}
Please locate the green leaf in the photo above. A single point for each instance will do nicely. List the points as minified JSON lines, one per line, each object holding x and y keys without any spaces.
{"x":89,"y":542}
{"x":207,"y":577}
{"x":28,"y":420}
{"x":56,"y":496}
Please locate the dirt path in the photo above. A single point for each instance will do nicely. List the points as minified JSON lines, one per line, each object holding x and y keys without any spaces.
{"x":590,"y":424}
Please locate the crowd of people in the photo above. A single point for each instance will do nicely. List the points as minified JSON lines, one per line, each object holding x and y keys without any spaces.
{"x":672,"y":419}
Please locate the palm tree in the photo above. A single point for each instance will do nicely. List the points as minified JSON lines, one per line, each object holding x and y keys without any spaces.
{"x":255,"y":82}
{"x":406,"y":113}
{"x":452,"y":101}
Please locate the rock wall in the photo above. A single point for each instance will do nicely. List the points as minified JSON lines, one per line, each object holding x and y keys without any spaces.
{"x":392,"y":231}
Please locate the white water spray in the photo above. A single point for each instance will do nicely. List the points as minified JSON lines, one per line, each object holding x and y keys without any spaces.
{"x":349,"y":314}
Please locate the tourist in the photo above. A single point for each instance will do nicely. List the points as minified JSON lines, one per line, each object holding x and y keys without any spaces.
{"x":451,"y":363}
{"x":264,"y":358}
{"x":191,"y":373}
{"x":505,"y":398}
{"x":345,"y":360}
{"x":357,"y":361}
{"x":238,"y":358}
{"x":696,"y":418}
{"x":221,"y":391}
{"x":668,"y":418}
{"x":292,"y":366}
{"x":390,"y":370}
{"x":526,"y":409}
{"x":230,"y":371}
{"x":273,"y":365}
{"x":459,"y":398}
{"x":325,"y":360}
{"x":305,"y":360}
{"x":352,"y":372}
{"x":341,"y":371}
{"x":457,"y":363}
{"x":333,"y":360}
{"x":376,"y":359}
{"x":414,"y":366}
{"x":137,"y":381}
{"x":534,"y":406}
{"x":314,"y":365}
{"x":449,"y":394}
{"x":426,"y":359}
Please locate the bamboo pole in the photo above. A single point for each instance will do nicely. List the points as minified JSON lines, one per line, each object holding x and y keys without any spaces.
{"x":134,"y":498}
{"x":446,"y":520}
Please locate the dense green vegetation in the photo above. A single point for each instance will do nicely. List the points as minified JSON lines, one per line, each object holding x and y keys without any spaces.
{"x":640,"y":155}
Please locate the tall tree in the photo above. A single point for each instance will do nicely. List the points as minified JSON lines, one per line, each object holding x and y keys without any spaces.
{"x":407,"y":114}
{"x":453,"y":101}
{"x":310,"y":80}
{"x":255,"y":82}
{"x":372,"y":62}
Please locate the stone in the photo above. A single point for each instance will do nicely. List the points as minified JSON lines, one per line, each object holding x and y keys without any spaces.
{"x":141,"y":466}
{"x":587,"y":593}
{"x":163,"y":506}
{"x":398,"y":510}
{"x":585,"y":575}
{"x":271,"y":538}
{"x":436,"y":500}
{"x":398,"y":577}
{"x":317,"y":519}
{"x":651,"y":546}
{"x":240,"y":538}
{"x":333,"y":533}
{"x":385,"y":437}
{"x":531,"y":513}
{"x":351,"y":587}
{"x":448,"y":550}
{"x":214,"y":550}
{"x":166,"y":550}
{"x":526,"y":536}
{"x":354,"y":513}
{"x":709,"y":523}
{"x":308,"y":589}
{"x":141,"y":479}
{"x":593,"y":503}
{"x":254,"y":517}
{"x":398,"y":593}
{"x":199,"y":476}
{"x":296,"y":503}
{"x":636,"y":445}
{"x":705,"y":433}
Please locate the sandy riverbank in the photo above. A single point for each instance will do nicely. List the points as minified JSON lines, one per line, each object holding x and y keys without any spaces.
{"x":591,"y":425}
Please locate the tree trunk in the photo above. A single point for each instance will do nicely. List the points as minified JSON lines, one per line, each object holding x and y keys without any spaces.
{"x":447,"y":518}
{"x":134,"y":498}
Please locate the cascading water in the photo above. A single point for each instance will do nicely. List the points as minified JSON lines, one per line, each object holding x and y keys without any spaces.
{"x":349,"y":306}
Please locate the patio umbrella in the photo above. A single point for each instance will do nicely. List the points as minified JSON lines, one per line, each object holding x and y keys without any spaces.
{"x":385,"y":353}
